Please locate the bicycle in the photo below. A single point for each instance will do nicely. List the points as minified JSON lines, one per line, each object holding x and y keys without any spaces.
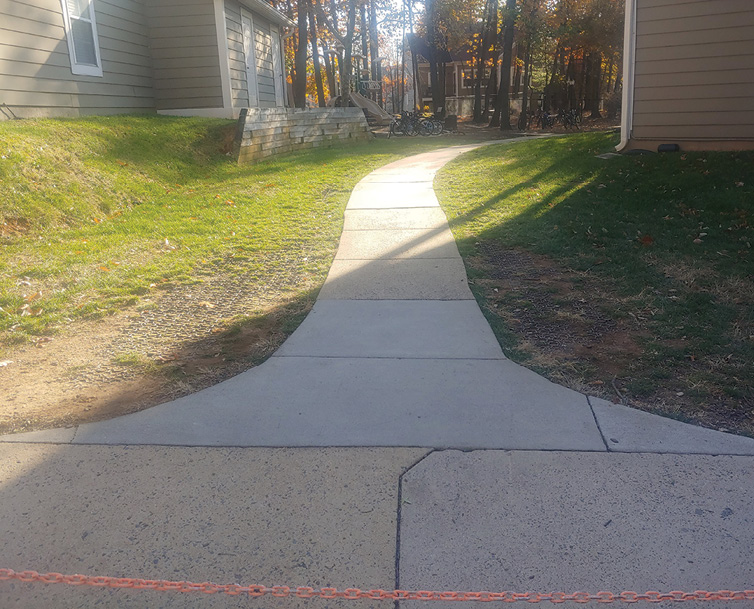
{"x":411,"y":123}
{"x":570,"y":119}
{"x":431,"y":125}
{"x":545,"y":120}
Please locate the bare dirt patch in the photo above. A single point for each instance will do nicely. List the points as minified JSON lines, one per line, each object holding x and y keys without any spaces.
{"x":572,"y":328}
{"x":178,"y":342}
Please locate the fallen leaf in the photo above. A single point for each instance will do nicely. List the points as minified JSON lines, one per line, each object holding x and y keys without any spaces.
{"x":104,"y":268}
{"x":739,"y":184}
{"x":647,"y":240}
{"x":33,"y":296}
{"x":698,"y":241}
{"x":6,"y":362}
{"x":206,"y":305}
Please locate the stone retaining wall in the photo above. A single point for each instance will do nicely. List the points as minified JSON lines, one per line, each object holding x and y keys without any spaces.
{"x":265,"y":132}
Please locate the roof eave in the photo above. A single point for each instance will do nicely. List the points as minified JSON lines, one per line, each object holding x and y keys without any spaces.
{"x":264,"y":9}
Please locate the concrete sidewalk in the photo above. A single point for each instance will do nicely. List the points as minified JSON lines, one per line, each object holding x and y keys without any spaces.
{"x":394,"y":369}
{"x":397,"y":353}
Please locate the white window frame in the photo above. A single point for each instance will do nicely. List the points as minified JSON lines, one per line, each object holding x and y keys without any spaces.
{"x":81,"y":69}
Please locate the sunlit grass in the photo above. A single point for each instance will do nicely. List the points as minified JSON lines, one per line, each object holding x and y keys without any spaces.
{"x":97,"y":212}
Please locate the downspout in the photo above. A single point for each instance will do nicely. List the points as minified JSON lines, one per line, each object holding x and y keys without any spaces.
{"x":629,"y":68}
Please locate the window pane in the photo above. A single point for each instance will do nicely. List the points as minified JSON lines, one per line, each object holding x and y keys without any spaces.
{"x":83,"y":42}
{"x":79,"y":8}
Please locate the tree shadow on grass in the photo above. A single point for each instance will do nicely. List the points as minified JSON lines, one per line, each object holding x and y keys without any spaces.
{"x":632,"y":230}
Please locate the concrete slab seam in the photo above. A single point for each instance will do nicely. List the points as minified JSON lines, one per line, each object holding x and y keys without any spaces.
{"x":398,"y":519}
{"x":597,"y":423}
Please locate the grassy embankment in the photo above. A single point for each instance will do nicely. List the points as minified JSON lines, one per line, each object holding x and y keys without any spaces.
{"x":96,"y":213}
{"x":630,"y":277}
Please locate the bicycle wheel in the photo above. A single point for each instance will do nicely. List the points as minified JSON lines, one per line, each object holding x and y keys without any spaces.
{"x":577,"y":120}
{"x":396,"y":129}
{"x":424,"y":127}
{"x":411,"y":127}
{"x":437,"y":127}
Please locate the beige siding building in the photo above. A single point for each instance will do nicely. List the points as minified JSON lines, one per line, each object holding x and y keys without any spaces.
{"x":689,"y":74}
{"x":186,"y":57}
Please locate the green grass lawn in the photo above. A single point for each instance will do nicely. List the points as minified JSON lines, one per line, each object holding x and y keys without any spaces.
{"x":651,"y":254}
{"x":95,"y":213}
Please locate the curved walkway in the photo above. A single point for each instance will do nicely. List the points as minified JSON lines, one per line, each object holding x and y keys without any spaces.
{"x":397,"y":353}
{"x":394,"y":353}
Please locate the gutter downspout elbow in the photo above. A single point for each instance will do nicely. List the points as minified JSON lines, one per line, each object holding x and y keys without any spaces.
{"x":629,"y":69}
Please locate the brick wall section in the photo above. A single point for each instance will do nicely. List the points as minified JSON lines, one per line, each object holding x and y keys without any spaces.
{"x":266,"y":132}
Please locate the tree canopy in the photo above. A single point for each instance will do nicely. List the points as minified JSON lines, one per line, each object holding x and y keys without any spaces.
{"x":559,"y":54}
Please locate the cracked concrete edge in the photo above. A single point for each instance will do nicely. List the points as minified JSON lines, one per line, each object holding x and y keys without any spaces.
{"x":626,"y":429}
{"x":399,"y":512}
{"x":61,"y":435}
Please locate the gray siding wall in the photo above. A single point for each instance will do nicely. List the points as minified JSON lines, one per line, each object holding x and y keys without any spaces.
{"x":694,"y":70}
{"x":35,"y":67}
{"x":265,"y":73}
{"x":237,"y":58}
{"x":185,"y":54}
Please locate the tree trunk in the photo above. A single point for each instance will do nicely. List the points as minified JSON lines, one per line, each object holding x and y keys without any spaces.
{"x":364,"y":39}
{"x":347,"y":70}
{"x":330,"y":72}
{"x":492,"y":84}
{"x":522,"y":119}
{"x":434,"y":77}
{"x":484,"y":45}
{"x":478,"y":118}
{"x":572,"y":96}
{"x":299,"y":60}
{"x":374,"y":50}
{"x":438,"y":98}
{"x":596,"y":82}
{"x":321,"y":101}
{"x":593,"y":65}
{"x":502,"y":114}
{"x":490,"y":91}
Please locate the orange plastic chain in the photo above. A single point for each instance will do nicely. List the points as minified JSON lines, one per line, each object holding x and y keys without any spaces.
{"x":100,"y":581}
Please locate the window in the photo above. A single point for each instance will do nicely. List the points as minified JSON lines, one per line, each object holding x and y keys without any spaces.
{"x":81,"y":32}
{"x":469,"y":76}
